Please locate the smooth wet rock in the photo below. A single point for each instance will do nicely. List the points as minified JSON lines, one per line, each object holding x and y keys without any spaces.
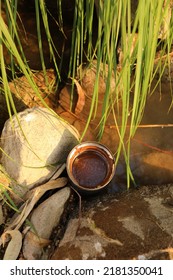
{"x":43,"y":220}
{"x":35,"y":145}
{"x":133,"y":225}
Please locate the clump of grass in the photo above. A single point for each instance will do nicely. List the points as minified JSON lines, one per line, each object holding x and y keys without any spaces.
{"x":140,"y":36}
{"x":4,"y":195}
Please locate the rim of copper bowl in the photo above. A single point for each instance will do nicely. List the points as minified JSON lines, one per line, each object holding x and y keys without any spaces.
{"x":89,"y":144}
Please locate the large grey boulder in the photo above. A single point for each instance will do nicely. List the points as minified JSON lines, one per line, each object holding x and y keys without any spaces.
{"x":35,"y":144}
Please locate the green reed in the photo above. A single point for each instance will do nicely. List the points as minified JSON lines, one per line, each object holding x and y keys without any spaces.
{"x":138,"y":35}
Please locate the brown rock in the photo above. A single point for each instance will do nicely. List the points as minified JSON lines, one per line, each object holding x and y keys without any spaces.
{"x":133,"y":225}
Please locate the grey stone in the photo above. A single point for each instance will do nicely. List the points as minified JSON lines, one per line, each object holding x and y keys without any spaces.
{"x":43,"y":220}
{"x":47,"y":215}
{"x":36,"y":143}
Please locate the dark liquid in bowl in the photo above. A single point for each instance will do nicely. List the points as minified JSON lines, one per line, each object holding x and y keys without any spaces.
{"x":90,"y":169}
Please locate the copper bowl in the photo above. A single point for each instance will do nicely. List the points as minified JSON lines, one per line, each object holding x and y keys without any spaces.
{"x":90,"y":167}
